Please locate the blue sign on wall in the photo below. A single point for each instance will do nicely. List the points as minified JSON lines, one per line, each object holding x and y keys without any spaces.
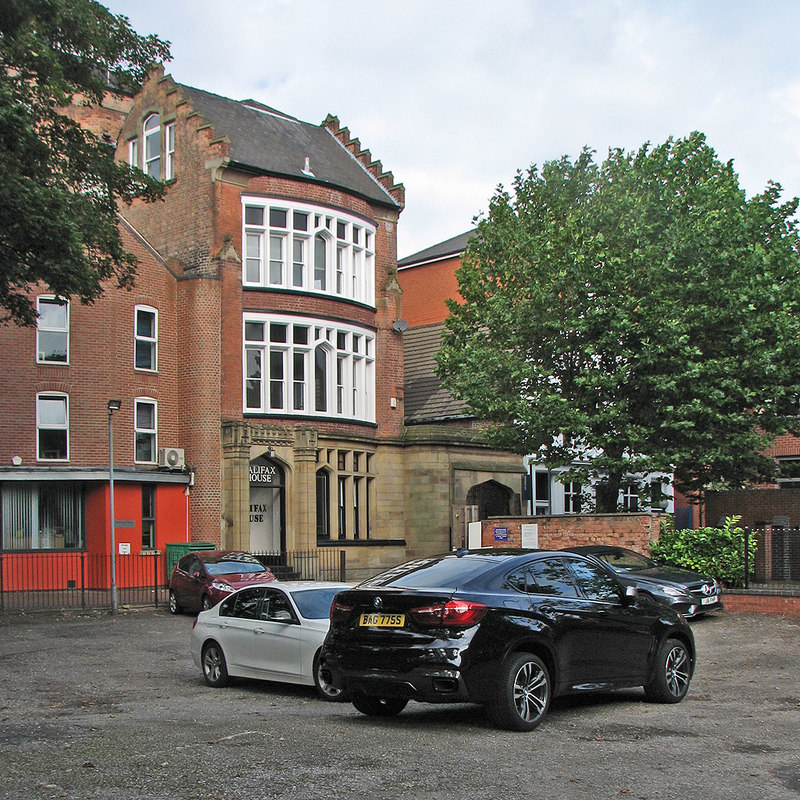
{"x":501,"y":534}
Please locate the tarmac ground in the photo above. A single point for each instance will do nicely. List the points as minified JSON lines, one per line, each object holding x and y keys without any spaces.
{"x":95,"y":706}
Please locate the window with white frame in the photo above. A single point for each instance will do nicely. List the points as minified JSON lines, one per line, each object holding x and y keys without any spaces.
{"x":52,"y":427}
{"x":52,"y":331}
{"x":145,"y":430}
{"x":146,"y":339}
{"x":572,"y":498}
{"x":151,"y":134}
{"x":169,"y":151}
{"x":630,"y":499}
{"x":290,"y":245}
{"x":133,"y":152}
{"x":307,"y":367}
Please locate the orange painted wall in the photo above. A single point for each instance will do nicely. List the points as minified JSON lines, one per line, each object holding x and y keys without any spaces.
{"x":39,"y":570}
{"x":426,"y":287}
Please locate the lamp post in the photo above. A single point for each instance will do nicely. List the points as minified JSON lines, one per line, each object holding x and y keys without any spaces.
{"x":113,"y":405}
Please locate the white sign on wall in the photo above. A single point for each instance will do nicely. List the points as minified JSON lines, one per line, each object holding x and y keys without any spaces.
{"x":530,"y":534}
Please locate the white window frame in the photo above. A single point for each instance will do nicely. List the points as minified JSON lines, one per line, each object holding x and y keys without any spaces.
{"x":348,"y":241}
{"x":152,"y":432}
{"x":150,"y":341}
{"x":43,"y":426}
{"x":573,"y":493}
{"x":275,"y":343}
{"x":133,"y":153}
{"x":169,"y":151}
{"x":43,"y":327}
{"x":151,"y":163}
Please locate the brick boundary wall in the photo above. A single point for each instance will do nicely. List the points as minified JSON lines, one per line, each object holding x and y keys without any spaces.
{"x":555,"y":531}
{"x":761,"y":602}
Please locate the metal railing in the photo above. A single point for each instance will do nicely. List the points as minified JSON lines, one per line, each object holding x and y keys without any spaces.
{"x":777,"y":558}
{"x":38,"y":580}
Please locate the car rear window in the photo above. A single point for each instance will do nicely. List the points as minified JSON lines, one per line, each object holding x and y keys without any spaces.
{"x":229,"y":567}
{"x":315,"y":603}
{"x":427,"y":573}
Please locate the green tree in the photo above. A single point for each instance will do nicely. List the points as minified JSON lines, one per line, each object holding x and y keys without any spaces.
{"x":641,"y":314}
{"x":61,"y":184}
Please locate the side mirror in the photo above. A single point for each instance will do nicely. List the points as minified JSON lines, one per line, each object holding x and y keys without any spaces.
{"x":281,"y":616}
{"x":630,"y":595}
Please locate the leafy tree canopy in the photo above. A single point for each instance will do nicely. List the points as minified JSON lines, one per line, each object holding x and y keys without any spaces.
{"x":640,"y":314}
{"x":60,"y":182}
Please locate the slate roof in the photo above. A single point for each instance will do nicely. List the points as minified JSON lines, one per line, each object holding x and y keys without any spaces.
{"x":266,"y":140}
{"x":449,"y":247}
{"x":425,"y":399}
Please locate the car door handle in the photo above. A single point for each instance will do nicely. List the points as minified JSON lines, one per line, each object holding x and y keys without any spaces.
{"x":258,"y":631}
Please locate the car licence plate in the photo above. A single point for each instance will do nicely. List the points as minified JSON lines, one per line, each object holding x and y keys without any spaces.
{"x":707,"y":601}
{"x":382,"y":620}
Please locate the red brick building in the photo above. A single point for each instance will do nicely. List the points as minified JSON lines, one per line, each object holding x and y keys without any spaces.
{"x":259,"y":373}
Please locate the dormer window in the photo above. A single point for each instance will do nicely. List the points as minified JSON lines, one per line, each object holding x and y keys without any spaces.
{"x":152,"y":146}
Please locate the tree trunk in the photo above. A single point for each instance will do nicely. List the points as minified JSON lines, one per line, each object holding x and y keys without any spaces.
{"x":607,"y":494}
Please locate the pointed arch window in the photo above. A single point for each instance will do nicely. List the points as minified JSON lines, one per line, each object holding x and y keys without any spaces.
{"x":152,"y":146}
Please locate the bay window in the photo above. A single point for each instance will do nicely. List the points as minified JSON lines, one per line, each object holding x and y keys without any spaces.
{"x":291,"y":245}
{"x":312,"y":368}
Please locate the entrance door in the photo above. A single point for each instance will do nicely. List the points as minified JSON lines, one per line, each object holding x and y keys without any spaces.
{"x":266,"y":506}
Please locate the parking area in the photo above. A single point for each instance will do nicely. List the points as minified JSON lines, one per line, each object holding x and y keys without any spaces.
{"x":93,"y":706}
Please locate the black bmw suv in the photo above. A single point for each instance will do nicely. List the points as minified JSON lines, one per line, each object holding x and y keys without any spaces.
{"x":507,"y":629}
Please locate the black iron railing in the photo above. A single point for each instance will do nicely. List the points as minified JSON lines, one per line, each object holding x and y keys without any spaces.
{"x":777,"y":557}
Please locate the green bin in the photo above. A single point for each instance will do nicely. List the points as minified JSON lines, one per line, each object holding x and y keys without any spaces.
{"x":177,"y":550}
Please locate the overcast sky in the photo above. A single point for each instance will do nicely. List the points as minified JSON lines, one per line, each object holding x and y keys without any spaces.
{"x":454,"y":96}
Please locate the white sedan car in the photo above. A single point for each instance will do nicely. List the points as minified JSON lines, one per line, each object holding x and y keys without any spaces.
{"x":272,"y":632}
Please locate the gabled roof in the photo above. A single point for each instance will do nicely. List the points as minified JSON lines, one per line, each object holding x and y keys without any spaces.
{"x":449,"y":247}
{"x":425,"y":399}
{"x":269,"y":141}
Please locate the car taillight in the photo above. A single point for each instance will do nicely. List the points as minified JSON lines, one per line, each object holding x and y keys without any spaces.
{"x":453,"y":614}
{"x":339,"y":611}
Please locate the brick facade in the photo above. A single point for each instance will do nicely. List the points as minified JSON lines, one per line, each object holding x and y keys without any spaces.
{"x":757,"y":507}
{"x":634,"y":531}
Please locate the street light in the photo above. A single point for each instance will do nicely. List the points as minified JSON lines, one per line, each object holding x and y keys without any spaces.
{"x":113,"y":405}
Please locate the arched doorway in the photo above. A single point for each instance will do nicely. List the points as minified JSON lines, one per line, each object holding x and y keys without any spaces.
{"x":491,"y":499}
{"x":267,"y":529}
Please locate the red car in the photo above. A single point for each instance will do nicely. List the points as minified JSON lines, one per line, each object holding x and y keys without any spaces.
{"x":202,"y":578}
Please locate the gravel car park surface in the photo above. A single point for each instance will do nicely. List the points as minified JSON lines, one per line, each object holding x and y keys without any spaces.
{"x":93,"y":706}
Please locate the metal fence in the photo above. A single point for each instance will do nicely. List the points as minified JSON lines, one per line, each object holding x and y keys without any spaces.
{"x":777,"y":560}
{"x":37,"y":580}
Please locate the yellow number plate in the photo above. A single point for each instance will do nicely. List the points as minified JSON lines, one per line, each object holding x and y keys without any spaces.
{"x":382,"y":620}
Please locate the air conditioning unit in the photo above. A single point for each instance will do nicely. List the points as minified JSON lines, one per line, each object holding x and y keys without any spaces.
{"x":171,"y":457}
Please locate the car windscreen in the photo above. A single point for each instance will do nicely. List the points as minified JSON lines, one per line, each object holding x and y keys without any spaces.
{"x":230,"y":567}
{"x":625,"y":560}
{"x":450,"y":572}
{"x":315,"y":603}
